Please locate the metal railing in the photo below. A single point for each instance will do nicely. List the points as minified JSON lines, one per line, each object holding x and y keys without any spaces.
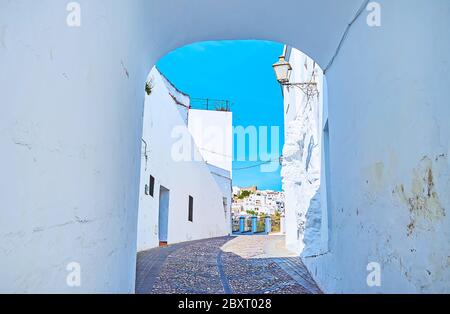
{"x":211,"y":104}
{"x":235,"y":224}
{"x":248,"y":224}
{"x":260,"y":224}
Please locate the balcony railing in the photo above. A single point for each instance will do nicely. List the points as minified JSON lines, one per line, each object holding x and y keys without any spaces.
{"x":255,"y":225}
{"x":211,"y":104}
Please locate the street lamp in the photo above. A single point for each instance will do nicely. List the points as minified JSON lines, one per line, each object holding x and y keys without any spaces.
{"x":283,"y":70}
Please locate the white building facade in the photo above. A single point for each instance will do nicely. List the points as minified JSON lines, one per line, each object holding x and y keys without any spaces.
{"x":181,"y":197}
{"x":213,"y":136}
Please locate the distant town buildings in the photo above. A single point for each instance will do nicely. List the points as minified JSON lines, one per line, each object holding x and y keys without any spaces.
{"x":251,"y":189}
{"x":251,"y":201}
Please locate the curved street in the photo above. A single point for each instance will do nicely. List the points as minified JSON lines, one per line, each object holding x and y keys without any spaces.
{"x":256,"y":264}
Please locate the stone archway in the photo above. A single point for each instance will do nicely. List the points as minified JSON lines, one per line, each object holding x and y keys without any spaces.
{"x":71,"y":96}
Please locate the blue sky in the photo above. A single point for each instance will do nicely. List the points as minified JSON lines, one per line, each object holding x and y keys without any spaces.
{"x":240,"y":71}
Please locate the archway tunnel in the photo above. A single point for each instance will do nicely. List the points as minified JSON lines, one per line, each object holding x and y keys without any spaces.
{"x":72,"y":94}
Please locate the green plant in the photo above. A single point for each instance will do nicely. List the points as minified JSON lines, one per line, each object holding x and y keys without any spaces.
{"x":244,"y":194}
{"x":148,"y":87}
{"x":276,"y":223}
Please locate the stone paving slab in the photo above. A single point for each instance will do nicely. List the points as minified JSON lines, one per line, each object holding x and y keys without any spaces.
{"x":192,"y":269}
{"x":230,"y":265}
{"x":270,"y":267}
{"x":298,"y":271}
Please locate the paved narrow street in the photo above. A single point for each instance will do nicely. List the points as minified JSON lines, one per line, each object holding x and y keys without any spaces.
{"x":232,"y":265}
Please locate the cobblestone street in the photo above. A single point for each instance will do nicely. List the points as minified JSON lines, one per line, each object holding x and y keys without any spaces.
{"x":232,"y":265}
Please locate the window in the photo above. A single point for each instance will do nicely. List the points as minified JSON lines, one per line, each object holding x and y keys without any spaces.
{"x":225,"y":206}
{"x":152,"y":186}
{"x":191,"y":209}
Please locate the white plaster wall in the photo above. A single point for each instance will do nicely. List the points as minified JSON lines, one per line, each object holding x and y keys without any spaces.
{"x":212,"y":132}
{"x":213,"y":135}
{"x":71,"y":97}
{"x":182,"y":100}
{"x":70,"y":132}
{"x":224,"y":181}
{"x":301,"y":172}
{"x":181,"y":178}
{"x":389,"y":137}
{"x":325,"y":173}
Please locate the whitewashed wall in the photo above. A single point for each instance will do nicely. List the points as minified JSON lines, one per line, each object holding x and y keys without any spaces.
{"x":389,"y":153}
{"x":301,"y":171}
{"x":182,"y":178}
{"x":224,"y":181}
{"x":71,"y":124}
{"x":182,"y":100}
{"x":71,"y":106}
{"x":212,"y":132}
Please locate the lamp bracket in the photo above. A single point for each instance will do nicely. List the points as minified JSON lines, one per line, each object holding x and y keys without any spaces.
{"x":308,"y":88}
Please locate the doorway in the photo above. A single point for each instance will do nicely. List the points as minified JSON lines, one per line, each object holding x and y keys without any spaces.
{"x":163,"y":220}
